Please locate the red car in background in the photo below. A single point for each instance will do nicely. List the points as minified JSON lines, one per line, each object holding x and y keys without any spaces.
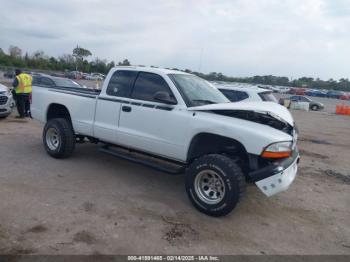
{"x":345,"y":97}
{"x":298,"y":91}
{"x":337,"y":94}
{"x":292,"y":90}
{"x":301,"y":91}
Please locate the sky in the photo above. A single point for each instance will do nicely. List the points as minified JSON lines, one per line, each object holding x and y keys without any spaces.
{"x":292,"y":38}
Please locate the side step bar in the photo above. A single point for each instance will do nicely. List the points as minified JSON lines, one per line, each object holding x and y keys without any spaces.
{"x":149,"y":161}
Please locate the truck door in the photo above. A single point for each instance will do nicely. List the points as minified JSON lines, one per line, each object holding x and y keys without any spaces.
{"x":109,"y":104}
{"x":151,"y":126}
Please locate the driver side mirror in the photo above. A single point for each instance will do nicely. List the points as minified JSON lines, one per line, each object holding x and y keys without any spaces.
{"x":164,"y":97}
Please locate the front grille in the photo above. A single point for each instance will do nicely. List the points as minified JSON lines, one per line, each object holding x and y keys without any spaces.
{"x":3,"y":100}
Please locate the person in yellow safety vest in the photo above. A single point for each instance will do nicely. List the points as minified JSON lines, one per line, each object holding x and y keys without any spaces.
{"x":23,"y":88}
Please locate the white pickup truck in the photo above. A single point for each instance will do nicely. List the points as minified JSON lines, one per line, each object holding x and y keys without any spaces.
{"x":177,"y":123}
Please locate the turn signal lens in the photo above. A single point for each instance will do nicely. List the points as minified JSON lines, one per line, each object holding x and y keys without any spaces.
{"x":278,"y":150}
{"x":276,"y":154}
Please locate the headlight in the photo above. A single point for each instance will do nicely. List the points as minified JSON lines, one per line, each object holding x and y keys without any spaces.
{"x":278,"y":150}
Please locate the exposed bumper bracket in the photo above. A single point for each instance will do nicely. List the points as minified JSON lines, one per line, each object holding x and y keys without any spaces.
{"x":277,"y":177}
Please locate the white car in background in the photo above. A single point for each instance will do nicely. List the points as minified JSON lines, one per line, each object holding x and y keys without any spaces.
{"x":96,"y":76}
{"x":246,"y":93}
{"x":6,"y":101}
{"x":281,"y":89}
{"x":276,"y":89}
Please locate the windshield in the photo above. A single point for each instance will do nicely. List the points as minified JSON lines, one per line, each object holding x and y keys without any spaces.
{"x":268,"y":97}
{"x":305,"y":99}
{"x":196,"y":91}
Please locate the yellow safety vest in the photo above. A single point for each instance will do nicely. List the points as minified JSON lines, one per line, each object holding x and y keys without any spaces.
{"x":24,"y":84}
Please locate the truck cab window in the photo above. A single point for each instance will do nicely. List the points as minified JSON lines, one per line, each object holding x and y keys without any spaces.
{"x":44,"y":81}
{"x":121,"y":83}
{"x":147,"y":84}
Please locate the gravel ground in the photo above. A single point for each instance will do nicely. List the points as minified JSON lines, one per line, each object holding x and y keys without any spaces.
{"x":97,"y":204}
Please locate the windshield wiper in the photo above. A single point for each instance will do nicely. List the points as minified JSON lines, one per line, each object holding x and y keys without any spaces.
{"x":204,"y":101}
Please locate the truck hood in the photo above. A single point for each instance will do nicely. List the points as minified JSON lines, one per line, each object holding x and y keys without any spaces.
{"x":270,"y":108}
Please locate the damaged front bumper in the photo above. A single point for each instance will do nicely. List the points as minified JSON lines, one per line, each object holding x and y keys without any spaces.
{"x":277,"y":177}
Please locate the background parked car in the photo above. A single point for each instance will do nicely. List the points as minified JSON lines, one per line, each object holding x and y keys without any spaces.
{"x":97,"y":76}
{"x":6,"y":101}
{"x":9,"y":74}
{"x":298,"y":91}
{"x":93,"y":77}
{"x":337,"y":95}
{"x":301,"y":91}
{"x":74,"y":75}
{"x":313,"y":105}
{"x":51,"y":81}
{"x":247,"y":94}
{"x":316,"y":93}
{"x":58,"y":74}
{"x":279,"y":89}
{"x":282,"y":89}
{"x":85,"y":75}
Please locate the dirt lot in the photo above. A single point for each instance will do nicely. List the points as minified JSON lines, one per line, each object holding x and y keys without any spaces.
{"x":93,"y":203}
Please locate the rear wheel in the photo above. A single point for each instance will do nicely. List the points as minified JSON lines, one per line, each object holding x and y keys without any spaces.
{"x":314,"y":108}
{"x":215,"y":184}
{"x":59,"y":138}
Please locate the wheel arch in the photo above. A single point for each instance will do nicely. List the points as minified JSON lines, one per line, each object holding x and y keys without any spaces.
{"x":55,"y":110}
{"x":209,"y":143}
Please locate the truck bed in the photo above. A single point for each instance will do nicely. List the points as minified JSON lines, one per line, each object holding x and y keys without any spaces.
{"x":80,"y":102}
{"x":76,"y":90}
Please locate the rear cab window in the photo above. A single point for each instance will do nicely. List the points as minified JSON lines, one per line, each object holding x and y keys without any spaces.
{"x":36,"y":81}
{"x":121,"y":83}
{"x":43,"y":81}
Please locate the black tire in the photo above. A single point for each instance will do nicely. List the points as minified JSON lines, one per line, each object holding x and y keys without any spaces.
{"x":63,"y":130}
{"x":231,"y":176}
{"x":314,"y":108}
{"x":4,"y":116}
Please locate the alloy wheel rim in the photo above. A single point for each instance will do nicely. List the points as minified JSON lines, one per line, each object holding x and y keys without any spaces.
{"x":52,"y":138}
{"x":209,"y":187}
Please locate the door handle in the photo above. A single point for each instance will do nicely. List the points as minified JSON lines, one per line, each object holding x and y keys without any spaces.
{"x":126,"y":108}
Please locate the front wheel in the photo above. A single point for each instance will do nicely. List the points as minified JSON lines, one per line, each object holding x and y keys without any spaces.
{"x":4,"y":116}
{"x":59,"y":138}
{"x":314,"y":108}
{"x":215,"y":184}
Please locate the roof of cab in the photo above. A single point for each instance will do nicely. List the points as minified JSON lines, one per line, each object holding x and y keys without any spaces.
{"x":150,"y":69}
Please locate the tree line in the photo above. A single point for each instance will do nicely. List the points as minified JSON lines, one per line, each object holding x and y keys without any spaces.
{"x":77,"y":60}
{"x":71,"y":62}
